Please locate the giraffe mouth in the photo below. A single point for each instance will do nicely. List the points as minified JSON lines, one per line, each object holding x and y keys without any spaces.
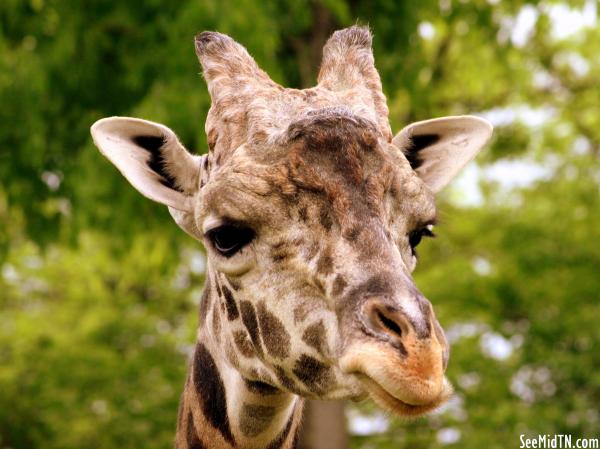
{"x":396,"y":405}
{"x":407,"y":387}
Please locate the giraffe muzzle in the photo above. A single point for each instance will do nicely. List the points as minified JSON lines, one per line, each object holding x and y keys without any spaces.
{"x":399,"y":357}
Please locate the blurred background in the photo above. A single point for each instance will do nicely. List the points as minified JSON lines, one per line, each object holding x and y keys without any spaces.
{"x":99,"y":289}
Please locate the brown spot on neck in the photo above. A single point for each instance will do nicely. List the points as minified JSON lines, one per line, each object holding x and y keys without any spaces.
{"x":251,"y":323}
{"x":315,"y":336}
{"x":232,"y":310}
{"x":261,"y":388}
{"x":211,"y":392}
{"x":274,"y":334}
{"x":254,"y":419}
{"x":313,"y":373}
{"x":243,"y":343}
{"x":284,"y":379}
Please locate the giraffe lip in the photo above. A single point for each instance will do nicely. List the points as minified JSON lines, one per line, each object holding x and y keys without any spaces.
{"x":400,"y":407}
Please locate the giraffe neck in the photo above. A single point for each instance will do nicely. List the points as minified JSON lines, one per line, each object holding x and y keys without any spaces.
{"x":220,"y":409}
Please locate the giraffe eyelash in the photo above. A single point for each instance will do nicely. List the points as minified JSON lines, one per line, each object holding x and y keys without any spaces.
{"x":415,"y":237}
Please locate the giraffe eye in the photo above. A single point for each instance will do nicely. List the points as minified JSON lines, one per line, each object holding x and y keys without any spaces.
{"x":228,"y":239}
{"x":414,"y":238}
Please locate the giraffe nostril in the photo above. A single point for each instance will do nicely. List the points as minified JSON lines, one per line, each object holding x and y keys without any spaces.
{"x":389,"y":324}
{"x":385,"y":320}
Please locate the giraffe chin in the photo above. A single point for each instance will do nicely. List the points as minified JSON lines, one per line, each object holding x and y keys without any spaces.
{"x":410,"y":385}
{"x":397,"y":406}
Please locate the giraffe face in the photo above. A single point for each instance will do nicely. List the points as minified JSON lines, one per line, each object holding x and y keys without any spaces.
{"x":310,"y":212}
{"x":311,"y":246}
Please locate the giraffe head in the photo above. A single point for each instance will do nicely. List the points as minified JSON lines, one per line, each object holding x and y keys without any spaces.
{"x":310,"y":212}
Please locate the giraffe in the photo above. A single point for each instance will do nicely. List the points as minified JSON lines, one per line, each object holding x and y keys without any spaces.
{"x":310,"y":211}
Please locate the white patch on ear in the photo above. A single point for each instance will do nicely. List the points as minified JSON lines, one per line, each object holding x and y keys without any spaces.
{"x":438,"y":149}
{"x":152,"y":159}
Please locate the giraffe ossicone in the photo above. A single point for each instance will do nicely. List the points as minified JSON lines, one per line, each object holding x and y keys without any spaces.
{"x":310,"y":211}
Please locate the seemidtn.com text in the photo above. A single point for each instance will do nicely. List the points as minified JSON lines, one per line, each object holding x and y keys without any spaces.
{"x":558,"y":441}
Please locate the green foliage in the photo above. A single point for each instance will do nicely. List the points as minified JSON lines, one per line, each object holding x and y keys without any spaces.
{"x":99,"y":289}
{"x":93,"y":355}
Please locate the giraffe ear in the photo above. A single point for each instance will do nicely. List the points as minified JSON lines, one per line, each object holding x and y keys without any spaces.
{"x":438,"y":149}
{"x":152,"y":159}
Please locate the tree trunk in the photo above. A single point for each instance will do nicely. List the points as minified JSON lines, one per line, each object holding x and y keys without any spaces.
{"x":324,"y":426}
